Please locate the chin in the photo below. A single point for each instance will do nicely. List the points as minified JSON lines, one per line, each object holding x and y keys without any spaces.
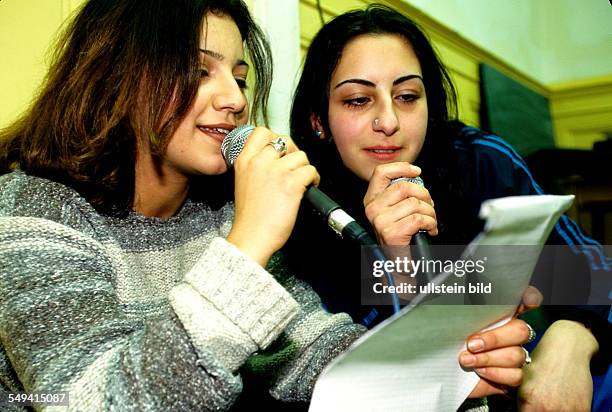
{"x":215,"y":166}
{"x":365,"y":175}
{"x":218,"y":171}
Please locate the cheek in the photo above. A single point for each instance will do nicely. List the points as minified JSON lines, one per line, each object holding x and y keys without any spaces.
{"x":243,"y":117}
{"x":415,"y":129}
{"x":175,"y":150}
{"x":346,"y":129}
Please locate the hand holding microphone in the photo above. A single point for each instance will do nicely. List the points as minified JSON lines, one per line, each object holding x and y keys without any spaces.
{"x":398,"y":209}
{"x":269,"y":184}
{"x":336,"y":218}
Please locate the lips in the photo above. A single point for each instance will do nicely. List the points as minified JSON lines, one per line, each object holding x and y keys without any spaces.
{"x":383,"y":153}
{"x":217,"y":132}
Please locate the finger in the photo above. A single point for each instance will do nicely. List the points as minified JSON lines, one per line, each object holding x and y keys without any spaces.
{"x":412,"y":205}
{"x":381,"y":214}
{"x":532,"y":298}
{"x":410,"y":224}
{"x":258,"y":139}
{"x":291,"y":146}
{"x":501,"y":376}
{"x":292,"y":161}
{"x":404,"y":189}
{"x":257,"y":147}
{"x":397,"y":204}
{"x":383,"y":174}
{"x":510,"y":357}
{"x":306,"y":176}
{"x":398,"y":192}
{"x":419,"y":222}
{"x":270,"y":151}
{"x":407,"y":226}
{"x":512,"y":333}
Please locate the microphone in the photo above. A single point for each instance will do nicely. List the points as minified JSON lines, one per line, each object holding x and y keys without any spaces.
{"x":337,"y":219}
{"x":420,"y":239}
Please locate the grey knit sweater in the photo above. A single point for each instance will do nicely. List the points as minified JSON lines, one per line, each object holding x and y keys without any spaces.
{"x":147,"y":314}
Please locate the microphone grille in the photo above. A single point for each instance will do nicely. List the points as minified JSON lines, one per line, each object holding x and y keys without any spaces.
{"x":416,"y":180}
{"x":234,"y":142}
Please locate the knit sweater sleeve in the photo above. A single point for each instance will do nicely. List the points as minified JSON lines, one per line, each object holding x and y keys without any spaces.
{"x":63,"y":327}
{"x":310,"y":341}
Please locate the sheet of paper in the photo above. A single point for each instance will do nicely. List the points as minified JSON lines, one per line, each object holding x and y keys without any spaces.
{"x":410,"y":361}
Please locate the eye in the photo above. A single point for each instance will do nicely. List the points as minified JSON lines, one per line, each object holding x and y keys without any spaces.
{"x":204,"y":72}
{"x":356,"y":102}
{"x":407,"y":97}
{"x":241,"y":83}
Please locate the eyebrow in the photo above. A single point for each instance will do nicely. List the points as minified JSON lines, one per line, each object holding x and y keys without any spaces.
{"x":370,"y":84}
{"x":220,"y":57}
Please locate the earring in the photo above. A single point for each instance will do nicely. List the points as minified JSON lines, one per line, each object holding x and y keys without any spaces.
{"x":318,"y":133}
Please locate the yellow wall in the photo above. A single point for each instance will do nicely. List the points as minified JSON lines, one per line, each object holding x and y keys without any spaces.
{"x":581,"y":110}
{"x":27,"y":29}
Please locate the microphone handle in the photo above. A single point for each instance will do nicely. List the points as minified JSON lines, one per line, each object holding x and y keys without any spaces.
{"x":322,"y":203}
{"x":337,"y":219}
{"x":420,"y":241}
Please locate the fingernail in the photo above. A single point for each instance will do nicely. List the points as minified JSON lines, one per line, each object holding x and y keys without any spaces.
{"x":468,"y":360}
{"x":481,"y":371}
{"x":416,"y":169}
{"x":475,"y":345}
{"x":531,"y":298}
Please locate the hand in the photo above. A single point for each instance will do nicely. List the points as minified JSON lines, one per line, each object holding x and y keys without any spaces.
{"x":497,"y":353}
{"x":398,"y":211}
{"x":497,"y":357}
{"x":558,"y":378}
{"x":268,"y":190}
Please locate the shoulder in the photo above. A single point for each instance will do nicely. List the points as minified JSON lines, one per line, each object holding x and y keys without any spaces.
{"x":492,"y":163}
{"x":31,"y":197}
{"x":482,"y":146}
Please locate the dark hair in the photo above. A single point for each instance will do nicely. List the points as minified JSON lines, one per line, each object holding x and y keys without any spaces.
{"x":123,"y":72}
{"x":312,"y":95}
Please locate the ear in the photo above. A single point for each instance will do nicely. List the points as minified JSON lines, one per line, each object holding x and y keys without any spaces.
{"x":315,"y":122}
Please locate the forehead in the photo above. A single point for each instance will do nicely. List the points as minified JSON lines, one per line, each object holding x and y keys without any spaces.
{"x":377,"y":54}
{"x":221,"y":34}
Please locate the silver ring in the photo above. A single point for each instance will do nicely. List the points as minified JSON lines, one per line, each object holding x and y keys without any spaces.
{"x":279,"y":145}
{"x":532,"y":333}
{"x":527,"y":357}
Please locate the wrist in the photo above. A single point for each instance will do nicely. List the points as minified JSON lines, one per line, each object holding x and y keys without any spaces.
{"x":576,"y":335}
{"x":252,"y":249}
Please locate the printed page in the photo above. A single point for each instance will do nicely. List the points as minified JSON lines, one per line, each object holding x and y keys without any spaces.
{"x":410,"y":361}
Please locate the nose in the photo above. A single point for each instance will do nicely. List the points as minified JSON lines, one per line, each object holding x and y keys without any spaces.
{"x":229,"y":96}
{"x":385,"y":119}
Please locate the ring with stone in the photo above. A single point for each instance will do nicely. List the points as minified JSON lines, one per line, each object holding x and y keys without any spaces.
{"x":279,"y":145}
{"x":527,"y":360}
{"x":532,"y":333}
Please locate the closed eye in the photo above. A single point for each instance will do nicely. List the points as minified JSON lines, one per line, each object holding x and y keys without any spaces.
{"x":407,"y":98}
{"x":241,"y":83}
{"x":356,"y":102}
